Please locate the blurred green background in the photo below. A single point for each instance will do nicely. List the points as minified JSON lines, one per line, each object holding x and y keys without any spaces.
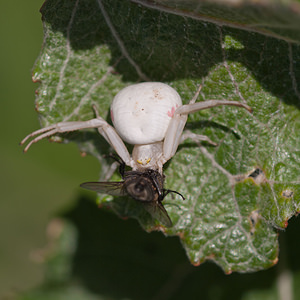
{"x":38,"y":185}
{"x":35,"y":185}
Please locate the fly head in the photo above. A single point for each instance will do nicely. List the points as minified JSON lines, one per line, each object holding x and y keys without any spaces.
{"x":142,"y":186}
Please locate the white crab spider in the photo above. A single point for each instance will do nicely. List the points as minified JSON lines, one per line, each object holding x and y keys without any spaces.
{"x":150,"y":116}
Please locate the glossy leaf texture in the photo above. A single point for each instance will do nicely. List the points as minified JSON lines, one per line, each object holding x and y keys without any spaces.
{"x":239,"y":193}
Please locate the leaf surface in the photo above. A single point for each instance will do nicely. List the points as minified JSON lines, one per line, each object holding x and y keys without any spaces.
{"x":238,"y":192}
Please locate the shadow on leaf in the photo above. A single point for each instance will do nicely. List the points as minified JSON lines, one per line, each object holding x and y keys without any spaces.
{"x":168,"y":47}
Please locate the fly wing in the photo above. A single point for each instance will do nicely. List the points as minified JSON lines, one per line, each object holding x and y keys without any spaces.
{"x":114,"y":188}
{"x":157,"y":211}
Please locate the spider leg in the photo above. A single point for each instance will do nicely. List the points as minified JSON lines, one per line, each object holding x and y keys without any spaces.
{"x":173,"y":136}
{"x":111,"y":170}
{"x":196,"y":138}
{"x":59,"y":128}
{"x":193,"y":107}
{"x":106,"y":130}
{"x":174,"y":132}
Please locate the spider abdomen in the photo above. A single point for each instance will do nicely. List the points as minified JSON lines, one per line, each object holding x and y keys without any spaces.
{"x":142,"y":112}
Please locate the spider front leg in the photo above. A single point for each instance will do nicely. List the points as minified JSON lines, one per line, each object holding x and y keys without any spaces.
{"x":174,"y":134}
{"x":106,"y":130}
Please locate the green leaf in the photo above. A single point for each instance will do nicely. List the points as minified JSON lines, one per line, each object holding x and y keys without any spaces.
{"x":238,"y":192}
{"x":278,"y":19}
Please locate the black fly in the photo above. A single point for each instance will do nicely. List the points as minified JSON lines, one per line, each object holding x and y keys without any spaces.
{"x":145,"y":187}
